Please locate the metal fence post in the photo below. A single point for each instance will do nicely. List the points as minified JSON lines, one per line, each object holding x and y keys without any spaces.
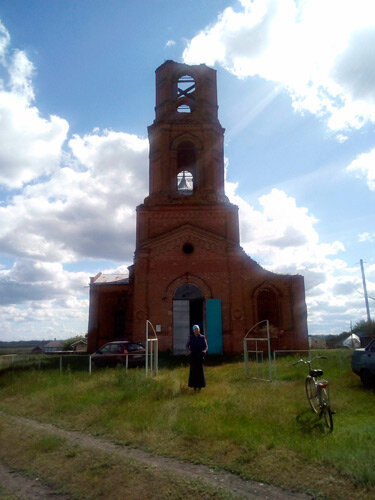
{"x":157,"y":358}
{"x":146,"y":348}
{"x":246,"y":357}
{"x":274,"y":363}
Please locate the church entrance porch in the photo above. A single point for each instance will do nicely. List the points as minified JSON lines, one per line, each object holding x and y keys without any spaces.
{"x":188,"y":310}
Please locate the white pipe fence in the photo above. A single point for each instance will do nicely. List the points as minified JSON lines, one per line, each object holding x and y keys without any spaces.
{"x":152,"y":350}
{"x":246,"y":351}
{"x":40,"y":361}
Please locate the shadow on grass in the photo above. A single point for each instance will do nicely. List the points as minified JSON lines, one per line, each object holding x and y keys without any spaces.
{"x":310,"y":423}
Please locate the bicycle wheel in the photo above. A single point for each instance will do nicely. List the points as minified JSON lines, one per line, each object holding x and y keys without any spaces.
{"x":326,"y":409}
{"x":327,"y":414}
{"x":312,"y":394}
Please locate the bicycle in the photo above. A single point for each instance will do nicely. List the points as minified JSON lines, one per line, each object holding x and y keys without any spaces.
{"x":317,"y":392}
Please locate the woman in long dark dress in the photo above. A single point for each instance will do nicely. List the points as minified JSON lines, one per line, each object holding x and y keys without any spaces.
{"x":197,"y":346}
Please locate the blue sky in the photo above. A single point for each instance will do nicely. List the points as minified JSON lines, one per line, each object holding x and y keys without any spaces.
{"x":296,"y":95}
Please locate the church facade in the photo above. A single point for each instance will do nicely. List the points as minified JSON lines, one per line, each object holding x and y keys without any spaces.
{"x":189,"y":267}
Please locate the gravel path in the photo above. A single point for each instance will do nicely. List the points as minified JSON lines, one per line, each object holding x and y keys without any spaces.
{"x":219,"y":478}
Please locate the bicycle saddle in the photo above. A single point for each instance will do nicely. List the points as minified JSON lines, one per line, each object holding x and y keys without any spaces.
{"x":316,"y":373}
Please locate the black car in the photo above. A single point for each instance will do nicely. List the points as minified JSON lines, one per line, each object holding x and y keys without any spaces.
{"x":120,"y":352}
{"x":363,"y":364}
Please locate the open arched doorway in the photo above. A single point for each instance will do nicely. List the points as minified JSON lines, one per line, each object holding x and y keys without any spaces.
{"x":188,"y":301}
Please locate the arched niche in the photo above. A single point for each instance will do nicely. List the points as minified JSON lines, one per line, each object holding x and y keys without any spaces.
{"x":187,"y":138}
{"x":186,"y":278}
{"x":267,"y":302}
{"x":188,"y":291}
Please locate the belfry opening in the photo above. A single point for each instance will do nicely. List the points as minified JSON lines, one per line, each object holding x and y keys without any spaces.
{"x":189,"y":267}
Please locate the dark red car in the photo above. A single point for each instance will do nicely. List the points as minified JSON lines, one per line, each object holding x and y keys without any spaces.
{"x":115,"y":354}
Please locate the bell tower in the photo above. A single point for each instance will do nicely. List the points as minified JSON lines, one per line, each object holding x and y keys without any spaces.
{"x":186,"y":226}
{"x":186,"y":138}
{"x":186,"y":168}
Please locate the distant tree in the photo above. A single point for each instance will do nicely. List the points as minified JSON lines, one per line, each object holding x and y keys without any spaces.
{"x":364,"y":328}
{"x":334,"y":341}
{"x":68,"y":342}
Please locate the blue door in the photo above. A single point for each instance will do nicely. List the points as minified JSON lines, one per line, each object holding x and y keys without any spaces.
{"x":214,"y":326}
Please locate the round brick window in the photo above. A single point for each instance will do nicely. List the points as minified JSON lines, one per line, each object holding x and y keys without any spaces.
{"x":188,"y":248}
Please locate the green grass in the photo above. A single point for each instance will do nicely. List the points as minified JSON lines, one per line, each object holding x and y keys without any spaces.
{"x":261,"y":430}
{"x":82,"y":473}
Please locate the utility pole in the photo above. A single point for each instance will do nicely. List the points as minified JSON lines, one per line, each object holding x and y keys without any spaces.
{"x":365,"y":291}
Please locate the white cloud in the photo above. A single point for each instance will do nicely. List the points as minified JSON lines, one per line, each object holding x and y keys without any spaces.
{"x":366,"y":237}
{"x":364,"y":167}
{"x":20,"y":73}
{"x":86,"y":210}
{"x":42,"y":300}
{"x":44,"y":319}
{"x":170,"y":43}
{"x":282,"y":237}
{"x":30,"y":145}
{"x":41,"y":141}
{"x":82,"y":208}
{"x":322,"y":52}
{"x":4,"y":42}
{"x":30,"y":281}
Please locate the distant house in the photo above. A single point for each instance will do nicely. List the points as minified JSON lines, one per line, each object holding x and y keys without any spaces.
{"x":79,"y":345}
{"x":352,"y":342}
{"x":37,"y":350}
{"x":317,"y":342}
{"x":53,"y":346}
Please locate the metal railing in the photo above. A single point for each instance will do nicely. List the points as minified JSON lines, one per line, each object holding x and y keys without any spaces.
{"x":246,"y":351}
{"x":69,"y":362}
{"x":152,"y":350}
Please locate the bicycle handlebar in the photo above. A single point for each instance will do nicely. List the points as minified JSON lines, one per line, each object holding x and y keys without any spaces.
{"x":300,"y":361}
{"x":308,"y":362}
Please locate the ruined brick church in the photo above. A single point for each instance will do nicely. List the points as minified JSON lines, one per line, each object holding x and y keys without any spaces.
{"x":189,"y":267}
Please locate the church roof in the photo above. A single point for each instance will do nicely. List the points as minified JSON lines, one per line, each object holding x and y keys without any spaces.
{"x":101,"y":278}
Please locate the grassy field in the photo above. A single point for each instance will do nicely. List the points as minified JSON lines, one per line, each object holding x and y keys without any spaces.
{"x":263,"y":431}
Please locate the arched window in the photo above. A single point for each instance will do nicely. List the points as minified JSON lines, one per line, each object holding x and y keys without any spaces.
{"x":185,"y":182}
{"x":186,"y":168}
{"x":185,"y":87}
{"x":267,"y":307}
{"x":184,"y":108}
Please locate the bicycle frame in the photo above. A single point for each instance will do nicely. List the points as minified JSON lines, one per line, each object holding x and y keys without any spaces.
{"x":316,"y":392}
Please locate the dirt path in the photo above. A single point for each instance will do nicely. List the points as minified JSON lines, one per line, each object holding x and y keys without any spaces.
{"x":216,"y":477}
{"x":18,"y":487}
